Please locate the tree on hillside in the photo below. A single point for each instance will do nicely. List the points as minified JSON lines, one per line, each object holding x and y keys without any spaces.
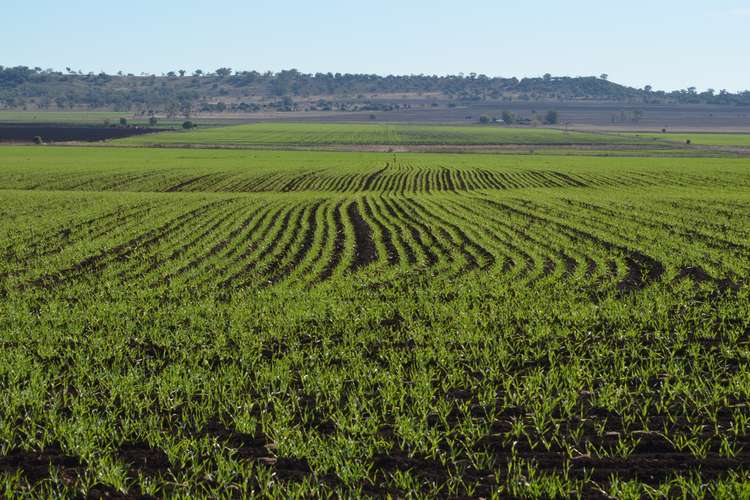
{"x":224,"y":72}
{"x":182,"y":72}
{"x":551,"y":118}
{"x":604,"y":76}
{"x":198,"y":72}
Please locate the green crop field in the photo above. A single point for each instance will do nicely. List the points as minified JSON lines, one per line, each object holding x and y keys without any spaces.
{"x":222,"y":323}
{"x":278,"y":134}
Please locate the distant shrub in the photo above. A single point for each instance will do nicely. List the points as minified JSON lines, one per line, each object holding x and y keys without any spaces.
{"x":38,"y":139}
{"x":552,"y":118}
{"x":187,"y":125}
{"x":485,"y":119}
{"x":124,"y":122}
{"x":508,"y":118}
{"x":153,"y":121}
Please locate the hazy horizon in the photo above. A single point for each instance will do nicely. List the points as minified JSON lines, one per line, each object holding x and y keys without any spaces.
{"x":669,"y":45}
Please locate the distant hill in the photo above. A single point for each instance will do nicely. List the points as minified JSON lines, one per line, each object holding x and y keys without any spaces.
{"x":179,"y":93}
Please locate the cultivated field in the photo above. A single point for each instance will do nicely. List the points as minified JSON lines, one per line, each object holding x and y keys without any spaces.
{"x":699,"y":139}
{"x":220,"y":322}
{"x":71,"y":117}
{"x":280,"y":134}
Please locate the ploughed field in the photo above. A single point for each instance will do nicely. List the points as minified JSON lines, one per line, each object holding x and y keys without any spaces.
{"x":226,"y":322}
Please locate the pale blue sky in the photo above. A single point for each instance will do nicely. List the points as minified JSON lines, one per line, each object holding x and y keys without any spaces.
{"x":669,"y":44}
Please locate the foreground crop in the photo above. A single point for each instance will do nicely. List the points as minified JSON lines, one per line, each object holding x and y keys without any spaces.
{"x":435,"y":325}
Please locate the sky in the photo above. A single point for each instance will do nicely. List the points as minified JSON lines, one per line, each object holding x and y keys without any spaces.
{"x":669,"y":44}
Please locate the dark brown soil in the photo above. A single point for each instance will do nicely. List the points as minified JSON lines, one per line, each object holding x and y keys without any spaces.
{"x":365,"y":252}
{"x":35,"y":465}
{"x":338,"y":245}
{"x":58,"y":133}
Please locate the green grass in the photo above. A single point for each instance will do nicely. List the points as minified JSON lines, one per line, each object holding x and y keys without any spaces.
{"x":350,"y":324}
{"x":278,"y":134}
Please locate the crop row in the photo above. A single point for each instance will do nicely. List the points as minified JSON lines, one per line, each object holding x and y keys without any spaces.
{"x":202,"y":243}
{"x":105,"y":169}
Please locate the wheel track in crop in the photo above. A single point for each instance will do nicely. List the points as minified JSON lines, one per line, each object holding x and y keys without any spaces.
{"x":187,"y":182}
{"x":372,"y":178}
{"x":365,"y":252}
{"x":386,"y":237}
{"x":337,"y":248}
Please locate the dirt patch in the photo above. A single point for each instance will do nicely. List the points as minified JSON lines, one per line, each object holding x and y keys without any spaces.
{"x":35,"y":465}
{"x":259,"y":448}
{"x":143,"y":458}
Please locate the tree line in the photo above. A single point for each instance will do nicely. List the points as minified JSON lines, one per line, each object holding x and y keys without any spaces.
{"x":182,"y":91}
